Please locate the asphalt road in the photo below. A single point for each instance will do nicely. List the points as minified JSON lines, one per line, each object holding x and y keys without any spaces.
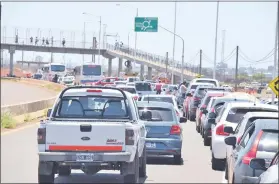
{"x":16,"y":92}
{"x":19,"y":162}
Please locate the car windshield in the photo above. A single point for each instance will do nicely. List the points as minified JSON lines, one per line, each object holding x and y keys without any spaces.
{"x":92,"y":107}
{"x":158,"y":99}
{"x":194,"y":86}
{"x":57,"y":68}
{"x":157,"y":114}
{"x":94,"y":70}
{"x":143,"y":86}
{"x":130,"y":90}
{"x":207,"y":81}
{"x":236,"y":114}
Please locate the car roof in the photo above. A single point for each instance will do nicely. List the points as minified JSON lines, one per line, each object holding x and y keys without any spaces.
{"x":268,"y":124}
{"x":201,"y":84}
{"x":155,"y":104}
{"x":212,"y":92}
{"x":141,"y":82}
{"x":171,"y":96}
{"x":125,"y":86}
{"x":105,"y":92}
{"x":251,"y":105}
{"x":239,"y":96}
{"x":261,"y":114}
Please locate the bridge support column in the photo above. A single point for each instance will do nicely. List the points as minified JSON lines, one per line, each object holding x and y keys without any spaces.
{"x":109,"y":67}
{"x":141,"y":72}
{"x":11,"y":51}
{"x":28,"y":66}
{"x":149,"y":73}
{"x":120,"y":64}
{"x":176,"y":79}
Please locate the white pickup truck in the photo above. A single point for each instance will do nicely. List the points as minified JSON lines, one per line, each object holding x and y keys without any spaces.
{"x":92,"y":129}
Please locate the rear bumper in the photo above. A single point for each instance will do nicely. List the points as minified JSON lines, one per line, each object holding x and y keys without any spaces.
{"x":164,"y":146}
{"x":71,"y":157}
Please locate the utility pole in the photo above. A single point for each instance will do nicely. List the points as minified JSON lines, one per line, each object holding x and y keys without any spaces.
{"x":200,"y":71}
{"x":275,"y":51}
{"x":236,"y":70}
{"x":174,"y":31}
{"x":167,"y":61}
{"x":216,"y":38}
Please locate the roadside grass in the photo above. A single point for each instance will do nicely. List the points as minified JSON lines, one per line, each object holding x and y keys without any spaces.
{"x":53,"y":87}
{"x":7,"y":121}
{"x":27,"y":118}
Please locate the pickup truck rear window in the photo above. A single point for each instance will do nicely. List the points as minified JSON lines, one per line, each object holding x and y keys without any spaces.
{"x":158,"y":99}
{"x":157,"y":114}
{"x":141,"y":86}
{"x":130,"y":90}
{"x":92,"y":107}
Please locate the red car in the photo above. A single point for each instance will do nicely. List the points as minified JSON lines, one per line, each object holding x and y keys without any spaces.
{"x":204,"y":104}
{"x":107,"y":80}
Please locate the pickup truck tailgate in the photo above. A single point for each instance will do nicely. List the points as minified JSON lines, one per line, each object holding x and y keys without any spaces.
{"x":85,"y":136}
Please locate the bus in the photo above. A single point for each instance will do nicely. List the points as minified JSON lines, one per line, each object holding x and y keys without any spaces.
{"x":49,"y":70}
{"x":88,"y":73}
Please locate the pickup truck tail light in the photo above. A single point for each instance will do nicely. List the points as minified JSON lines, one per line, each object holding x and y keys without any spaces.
{"x":175,"y":130}
{"x":94,"y":91}
{"x":220,"y":130}
{"x":129,"y":137}
{"x":196,"y":99}
{"x":136,"y":97}
{"x":41,"y":135}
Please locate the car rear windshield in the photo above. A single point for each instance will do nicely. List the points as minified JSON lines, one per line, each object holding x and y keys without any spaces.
{"x":92,"y":107}
{"x":269,"y":141}
{"x":194,"y":86}
{"x":236,"y":114}
{"x":157,"y":114}
{"x":143,"y":86}
{"x":158,"y":99}
{"x":131,"y":80}
{"x":130,"y":90}
{"x":207,"y":81}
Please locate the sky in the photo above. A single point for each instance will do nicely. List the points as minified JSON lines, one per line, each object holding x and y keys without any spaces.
{"x":250,"y":25}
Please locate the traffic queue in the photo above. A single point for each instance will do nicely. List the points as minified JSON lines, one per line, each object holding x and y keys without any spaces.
{"x":240,"y":130}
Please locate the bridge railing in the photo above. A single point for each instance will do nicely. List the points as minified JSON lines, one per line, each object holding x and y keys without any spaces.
{"x":150,"y":57}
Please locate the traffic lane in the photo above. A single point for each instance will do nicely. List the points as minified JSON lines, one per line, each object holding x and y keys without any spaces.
{"x":22,"y":148}
{"x":16,"y":92}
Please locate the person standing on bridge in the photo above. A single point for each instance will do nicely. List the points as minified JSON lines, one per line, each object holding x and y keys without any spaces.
{"x":63,"y":42}
{"x":47,"y":43}
{"x":51,"y":41}
{"x":31,"y":40}
{"x":36,"y":41}
{"x":16,"y":39}
{"x":43,"y":41}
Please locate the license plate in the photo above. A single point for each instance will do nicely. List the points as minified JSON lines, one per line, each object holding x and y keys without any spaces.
{"x":150,"y":145}
{"x":84,"y":157}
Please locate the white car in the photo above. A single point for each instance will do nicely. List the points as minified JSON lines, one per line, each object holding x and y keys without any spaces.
{"x":164,"y":98}
{"x":132,"y":79}
{"x":67,"y":80}
{"x":120,"y":82}
{"x":193,"y":86}
{"x":130,"y":89}
{"x":130,"y":84}
{"x":92,"y":129}
{"x":206,"y":80}
{"x":230,"y":115}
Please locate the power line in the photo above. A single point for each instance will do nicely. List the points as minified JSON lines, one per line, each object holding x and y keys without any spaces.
{"x":229,"y":56}
{"x":271,"y":53}
{"x":194,"y":58}
{"x":259,"y":62}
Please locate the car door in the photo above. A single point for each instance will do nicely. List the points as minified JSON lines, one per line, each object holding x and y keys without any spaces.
{"x":238,"y":152}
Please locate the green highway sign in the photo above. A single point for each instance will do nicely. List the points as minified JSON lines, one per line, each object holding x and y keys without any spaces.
{"x":146,"y":24}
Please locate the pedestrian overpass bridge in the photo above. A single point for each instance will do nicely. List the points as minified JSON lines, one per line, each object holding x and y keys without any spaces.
{"x":110,"y":52}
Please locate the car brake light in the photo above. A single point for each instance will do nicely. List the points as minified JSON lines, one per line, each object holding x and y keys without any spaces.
{"x":136,"y":97}
{"x":175,"y":130}
{"x":94,"y":90}
{"x":41,"y":135}
{"x":220,"y":130}
{"x":203,"y":106}
{"x":129,"y":137}
{"x":212,"y":109}
{"x":196,"y":99}
{"x":238,"y":140}
{"x":253,"y":151}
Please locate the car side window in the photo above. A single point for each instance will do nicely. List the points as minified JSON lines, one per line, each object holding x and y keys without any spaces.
{"x":275,"y":160}
{"x":246,"y":136}
{"x":239,"y":125}
{"x":219,"y":115}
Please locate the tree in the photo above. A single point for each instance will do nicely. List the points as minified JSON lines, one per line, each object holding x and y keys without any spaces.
{"x":258,"y":76}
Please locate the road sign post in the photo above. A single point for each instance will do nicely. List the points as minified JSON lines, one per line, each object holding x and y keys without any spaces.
{"x":146,"y":24}
{"x":274,"y":85}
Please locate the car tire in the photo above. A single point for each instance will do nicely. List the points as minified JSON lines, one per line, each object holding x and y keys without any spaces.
{"x":226,"y":171}
{"x":133,"y":178}
{"x":206,"y":141}
{"x":217,"y":164}
{"x":197,"y":128}
{"x":177,"y":159}
{"x":45,"y":178}
{"x":201,"y":131}
{"x":64,"y":171}
{"x":191,"y":117}
{"x":142,"y":169}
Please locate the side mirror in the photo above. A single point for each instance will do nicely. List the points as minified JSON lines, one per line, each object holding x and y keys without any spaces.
{"x":228,"y":129}
{"x":204,"y":111}
{"x":182,"y":120}
{"x":49,"y":112}
{"x":212,"y":121}
{"x":212,"y":115}
{"x":179,"y":106}
{"x":231,"y":141}
{"x":188,"y":94}
{"x":258,"y":163}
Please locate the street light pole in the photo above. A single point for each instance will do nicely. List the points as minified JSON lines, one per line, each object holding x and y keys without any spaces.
{"x":84,"y":40}
{"x":216,"y":36}
{"x":173,"y":49}
{"x":275,"y":51}
{"x":99,"y":56}
{"x":182,"y":62}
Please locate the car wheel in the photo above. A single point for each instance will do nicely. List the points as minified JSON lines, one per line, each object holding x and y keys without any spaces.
{"x":226,"y":171}
{"x":133,"y":178}
{"x":177,"y":159}
{"x":197,"y":128}
{"x":191,"y":117}
{"x":217,"y":164}
{"x":206,"y":141}
{"x":142,"y":169}
{"x":48,"y":178}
